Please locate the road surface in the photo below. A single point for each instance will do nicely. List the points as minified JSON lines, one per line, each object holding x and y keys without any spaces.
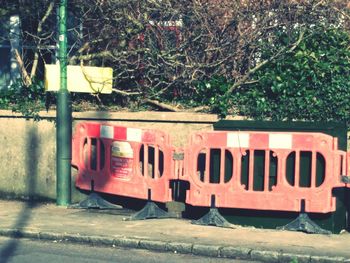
{"x":29,"y":251}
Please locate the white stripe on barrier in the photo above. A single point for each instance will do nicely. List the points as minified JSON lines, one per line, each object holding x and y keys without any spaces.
{"x":238,"y":140}
{"x":280,"y":141}
{"x":107,"y":132}
{"x":134,"y":135}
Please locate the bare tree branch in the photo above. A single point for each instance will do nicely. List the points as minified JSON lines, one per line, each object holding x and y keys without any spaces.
{"x":39,"y":31}
{"x":26,"y":78}
{"x":263,"y":63}
{"x":125,"y":93}
{"x":162,"y":105}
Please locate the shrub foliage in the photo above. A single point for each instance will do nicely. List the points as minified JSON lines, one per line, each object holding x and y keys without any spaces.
{"x":280,"y":60}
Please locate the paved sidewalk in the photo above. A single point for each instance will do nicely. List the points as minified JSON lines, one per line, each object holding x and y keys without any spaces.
{"x":94,"y":227}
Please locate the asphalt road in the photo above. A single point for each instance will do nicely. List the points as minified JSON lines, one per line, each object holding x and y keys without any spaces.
{"x":28,"y":251}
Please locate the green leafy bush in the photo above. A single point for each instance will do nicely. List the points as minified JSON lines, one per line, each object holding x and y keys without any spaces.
{"x":26,"y":100}
{"x":212,"y":94}
{"x":310,"y":83}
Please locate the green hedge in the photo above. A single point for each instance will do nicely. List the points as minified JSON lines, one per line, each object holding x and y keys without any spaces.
{"x":312,"y":82}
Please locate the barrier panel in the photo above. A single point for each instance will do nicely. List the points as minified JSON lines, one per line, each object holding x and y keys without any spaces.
{"x":281,"y":171}
{"x":123,"y":161}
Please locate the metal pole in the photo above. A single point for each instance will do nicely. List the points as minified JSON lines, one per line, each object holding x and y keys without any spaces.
{"x":64,"y":118}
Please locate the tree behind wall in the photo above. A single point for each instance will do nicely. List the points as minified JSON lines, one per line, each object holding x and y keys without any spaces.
{"x":224,"y":55}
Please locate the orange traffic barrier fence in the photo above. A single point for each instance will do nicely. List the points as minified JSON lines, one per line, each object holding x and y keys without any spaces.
{"x":282,"y":171}
{"x":123,"y":161}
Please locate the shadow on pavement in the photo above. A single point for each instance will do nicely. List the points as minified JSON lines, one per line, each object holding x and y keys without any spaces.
{"x":31,"y":159}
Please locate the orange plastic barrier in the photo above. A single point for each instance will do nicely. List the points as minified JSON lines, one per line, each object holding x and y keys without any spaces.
{"x":123,"y":161}
{"x":264,"y":171}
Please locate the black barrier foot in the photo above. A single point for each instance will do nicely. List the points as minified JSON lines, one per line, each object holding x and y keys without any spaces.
{"x":303,"y":223}
{"x":151,"y":210}
{"x":94,"y":201}
{"x":213,"y":217}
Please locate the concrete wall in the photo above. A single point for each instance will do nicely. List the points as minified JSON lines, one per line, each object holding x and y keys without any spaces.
{"x":28,"y":148}
{"x":27,"y":158}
